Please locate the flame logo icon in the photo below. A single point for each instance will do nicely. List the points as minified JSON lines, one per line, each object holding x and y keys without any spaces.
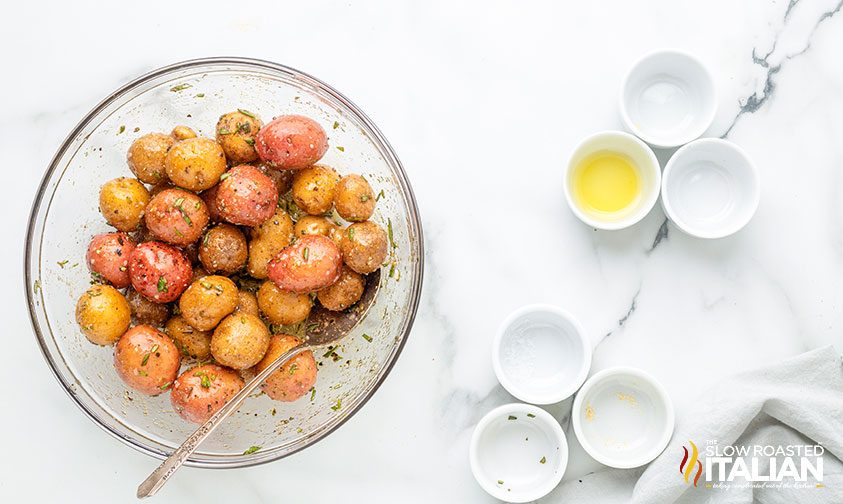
{"x":689,"y":461}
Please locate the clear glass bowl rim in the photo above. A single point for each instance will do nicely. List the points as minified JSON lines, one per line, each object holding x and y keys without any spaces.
{"x":391,"y":159}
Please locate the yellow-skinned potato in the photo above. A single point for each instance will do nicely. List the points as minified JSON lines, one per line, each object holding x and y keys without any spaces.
{"x":236,"y":134}
{"x":191,"y":341}
{"x":103,"y":314}
{"x":122,"y":203}
{"x":146,"y":157}
{"x":269,"y":238}
{"x":344,"y":292}
{"x":283,"y":307}
{"x":312,"y":224}
{"x":240,"y":341}
{"x":207,"y":301}
{"x":247,"y":303}
{"x":314,"y":189}
{"x":354,"y":199}
{"x":182,"y":132}
{"x":195,"y":164}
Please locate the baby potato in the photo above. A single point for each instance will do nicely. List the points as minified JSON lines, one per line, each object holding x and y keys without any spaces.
{"x":147,"y":360}
{"x":122,"y":202}
{"x":201,"y":391}
{"x":269,"y":238}
{"x":283,"y":178}
{"x":239,"y":341}
{"x":283,"y":307}
{"x":182,"y":132}
{"x":207,"y":301}
{"x":195,"y":164}
{"x":295,"y":378}
{"x":108,"y":257}
{"x":236,"y":134}
{"x":160,"y":186}
{"x":291,"y":142}
{"x":311,"y":263}
{"x":176,"y":216}
{"x":364,"y":247}
{"x":354,"y":199}
{"x":159,"y":271}
{"x":145,"y":311}
{"x":313,"y":225}
{"x":210,"y":198}
{"x":246,"y":196}
{"x":103,"y":314}
{"x":190,"y":341}
{"x":344,"y":292}
{"x":146,"y":157}
{"x":247,"y":303}
{"x":224,"y":249}
{"x":314,"y":189}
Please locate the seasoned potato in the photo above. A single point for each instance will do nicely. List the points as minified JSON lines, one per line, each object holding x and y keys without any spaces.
{"x":344,"y":292}
{"x":283,"y":307}
{"x":311,"y":263}
{"x":182,"y":132}
{"x":239,"y":341}
{"x":269,"y":238}
{"x":207,"y":301}
{"x":195,"y":163}
{"x":191,"y":341}
{"x":224,"y":249}
{"x":291,"y":142}
{"x":313,"y":225}
{"x":364,"y":247}
{"x":103,"y":314}
{"x":295,"y":378}
{"x":201,"y":391}
{"x":161,"y":186}
{"x":314,"y":189}
{"x":159,"y":271}
{"x":246,"y":196}
{"x":122,"y":202}
{"x":108,"y":257}
{"x":145,"y":311}
{"x":354,"y":199}
{"x":210,"y":198}
{"x":146,"y":157}
{"x":283,"y":178}
{"x":176,"y":216}
{"x":147,"y":360}
{"x":236,"y":134}
{"x":247,"y":303}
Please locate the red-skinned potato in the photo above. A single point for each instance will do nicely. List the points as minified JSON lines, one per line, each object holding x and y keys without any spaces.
{"x":201,"y":391}
{"x":295,"y":378}
{"x":210,"y":198}
{"x":159,"y":271}
{"x":311,"y":263}
{"x":108,"y":256}
{"x":176,"y":216}
{"x":147,"y":360}
{"x":246,"y":196}
{"x":291,"y":142}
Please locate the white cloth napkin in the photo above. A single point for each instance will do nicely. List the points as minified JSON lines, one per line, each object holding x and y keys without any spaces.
{"x":796,"y":402}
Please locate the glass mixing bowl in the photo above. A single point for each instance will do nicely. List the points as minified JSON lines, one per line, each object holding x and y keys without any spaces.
{"x":65,"y":216}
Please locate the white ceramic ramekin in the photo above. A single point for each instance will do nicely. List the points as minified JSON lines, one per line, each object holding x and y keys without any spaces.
{"x":646,"y":164}
{"x":710,"y":188}
{"x":623,"y":417}
{"x":541,"y":354}
{"x":668,"y":98}
{"x":518,"y":453}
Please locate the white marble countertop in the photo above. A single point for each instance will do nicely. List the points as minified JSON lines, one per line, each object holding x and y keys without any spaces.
{"x":483,"y":103}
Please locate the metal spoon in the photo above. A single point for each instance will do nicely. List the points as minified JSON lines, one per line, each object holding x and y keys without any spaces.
{"x":324,"y":327}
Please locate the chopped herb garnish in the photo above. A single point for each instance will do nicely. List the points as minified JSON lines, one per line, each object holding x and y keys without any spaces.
{"x":250,"y":141}
{"x":293,"y":368}
{"x":312,"y":393}
{"x":224,"y":176}
{"x":200,"y":95}
{"x":272,"y":411}
{"x":63,"y":263}
{"x":180,"y":87}
{"x":380,"y":195}
{"x":136,"y":129}
{"x":244,"y":128}
{"x":246,"y":112}
{"x":145,"y":359}
{"x":500,"y":482}
{"x":162,"y":284}
{"x":251,"y":450}
{"x":224,"y":131}
{"x":179,"y":204}
{"x":206,"y":380}
{"x":122,"y":129}
{"x":305,"y":253}
{"x":543,"y":460}
{"x":341,"y":148}
{"x":142,"y":372}
{"x":36,"y":287}
{"x":530,"y":415}
{"x":392,"y":270}
{"x":337,"y":406}
{"x":154,"y":348}
{"x":389,"y":232}
{"x":511,"y":417}
{"x":350,"y":233}
{"x":336,"y":125}
{"x":367,"y":337}
{"x":166,"y":385}
{"x":364,"y":198}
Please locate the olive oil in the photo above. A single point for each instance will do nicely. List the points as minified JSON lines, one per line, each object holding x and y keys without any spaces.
{"x":606,"y":183}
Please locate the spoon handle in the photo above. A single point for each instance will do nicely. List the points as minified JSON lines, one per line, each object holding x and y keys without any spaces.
{"x":162,"y":474}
